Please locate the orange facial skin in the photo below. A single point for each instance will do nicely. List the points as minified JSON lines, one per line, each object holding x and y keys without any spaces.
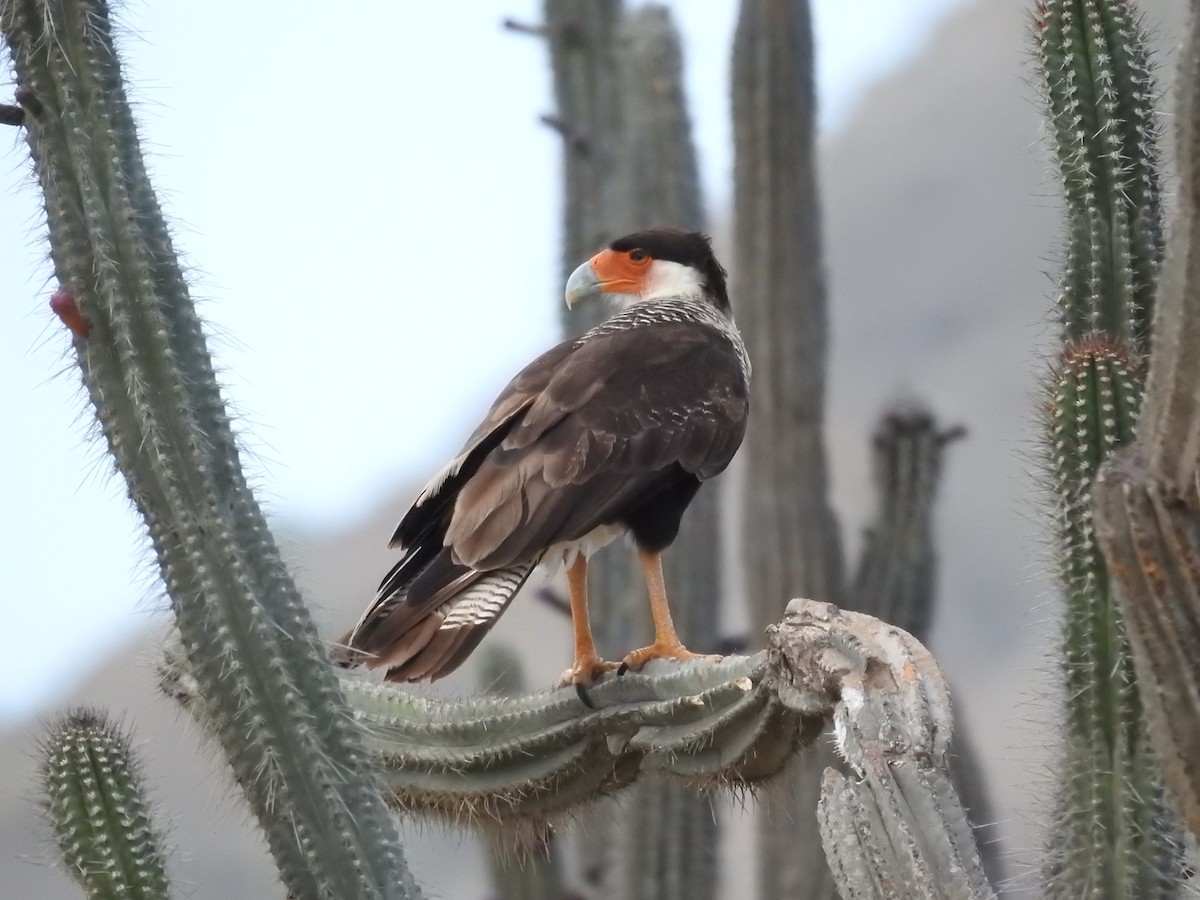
{"x":621,"y":272}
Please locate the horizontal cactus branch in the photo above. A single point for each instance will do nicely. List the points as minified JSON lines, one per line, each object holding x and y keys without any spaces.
{"x":523,"y":760}
{"x":513,"y":763}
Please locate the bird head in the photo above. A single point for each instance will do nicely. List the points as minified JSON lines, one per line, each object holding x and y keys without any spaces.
{"x":656,"y":264}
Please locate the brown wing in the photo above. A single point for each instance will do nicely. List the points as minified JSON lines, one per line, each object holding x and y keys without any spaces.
{"x":582,"y":436}
{"x":619,"y":416}
{"x":429,"y":514}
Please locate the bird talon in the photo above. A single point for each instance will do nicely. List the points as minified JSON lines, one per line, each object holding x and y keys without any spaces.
{"x":586,"y":671}
{"x":637,"y":658}
{"x":582,"y":693}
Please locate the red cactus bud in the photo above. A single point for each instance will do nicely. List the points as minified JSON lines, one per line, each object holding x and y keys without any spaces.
{"x":66,"y":308}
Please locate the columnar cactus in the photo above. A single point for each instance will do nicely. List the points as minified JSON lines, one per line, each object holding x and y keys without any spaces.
{"x":96,"y":803}
{"x":792,"y":542}
{"x":1110,"y":836}
{"x":275,"y":706}
{"x":582,"y":39}
{"x":635,"y":78}
{"x":536,"y":873}
{"x":669,"y":847}
{"x":1147,"y":507}
{"x":895,"y":577}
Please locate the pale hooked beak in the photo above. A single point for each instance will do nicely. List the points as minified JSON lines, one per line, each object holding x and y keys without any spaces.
{"x":583,"y":284}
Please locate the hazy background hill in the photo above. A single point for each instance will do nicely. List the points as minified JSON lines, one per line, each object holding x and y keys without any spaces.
{"x":940,"y":225}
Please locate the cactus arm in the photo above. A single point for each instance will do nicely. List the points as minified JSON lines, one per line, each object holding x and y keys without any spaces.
{"x":1146,"y":505}
{"x":1110,"y":835}
{"x":1171,"y":421}
{"x":523,"y":761}
{"x":895,"y":576}
{"x":96,"y":803}
{"x":792,"y":542}
{"x":896,"y":829}
{"x":277,"y":712}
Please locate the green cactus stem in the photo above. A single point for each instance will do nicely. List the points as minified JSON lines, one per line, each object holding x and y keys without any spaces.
{"x":1110,"y":829}
{"x":525,"y":761}
{"x":96,"y":802}
{"x":1099,"y":96}
{"x":1147,"y":507}
{"x":1110,"y":835}
{"x":275,"y":707}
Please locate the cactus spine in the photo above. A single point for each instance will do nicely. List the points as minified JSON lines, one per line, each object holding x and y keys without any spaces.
{"x":96,"y":803}
{"x":276,"y":709}
{"x":1109,"y":837}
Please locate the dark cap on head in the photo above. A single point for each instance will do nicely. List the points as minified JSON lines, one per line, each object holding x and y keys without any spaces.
{"x":689,"y":248}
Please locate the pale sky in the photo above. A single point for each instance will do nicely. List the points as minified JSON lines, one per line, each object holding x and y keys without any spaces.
{"x":370,"y":214}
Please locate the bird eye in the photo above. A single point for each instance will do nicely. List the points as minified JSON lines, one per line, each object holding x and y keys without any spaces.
{"x":638,"y":255}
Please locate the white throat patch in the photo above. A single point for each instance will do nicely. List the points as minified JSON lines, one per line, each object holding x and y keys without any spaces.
{"x":672,"y":279}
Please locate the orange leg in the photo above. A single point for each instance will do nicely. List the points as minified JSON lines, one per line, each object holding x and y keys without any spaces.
{"x":587,"y":663}
{"x":666,"y":642}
